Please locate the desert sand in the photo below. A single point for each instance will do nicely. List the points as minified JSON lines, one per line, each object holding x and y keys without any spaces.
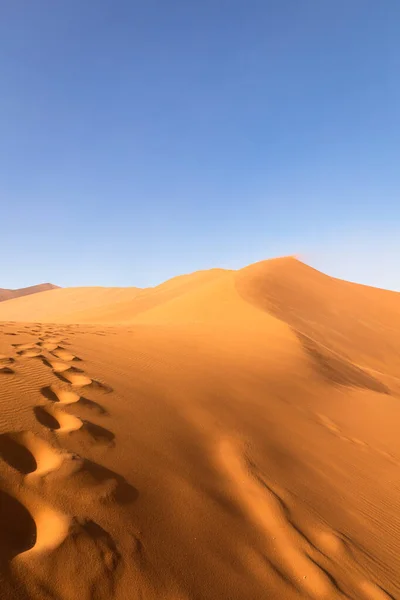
{"x":225,"y":435}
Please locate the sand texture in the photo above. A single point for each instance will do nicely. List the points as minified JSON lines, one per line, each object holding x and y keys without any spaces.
{"x":225,"y":435}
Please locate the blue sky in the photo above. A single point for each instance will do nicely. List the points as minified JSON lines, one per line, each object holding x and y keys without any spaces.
{"x":140,"y":140}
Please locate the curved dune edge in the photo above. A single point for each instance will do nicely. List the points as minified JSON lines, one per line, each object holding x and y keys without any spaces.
{"x":293,"y":551}
{"x":371,"y":591}
{"x":7,"y":294}
{"x":264,"y":508}
{"x":337,"y":370}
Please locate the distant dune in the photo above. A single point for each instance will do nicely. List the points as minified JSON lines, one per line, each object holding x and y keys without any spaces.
{"x":224,"y":435}
{"x":34,"y":289}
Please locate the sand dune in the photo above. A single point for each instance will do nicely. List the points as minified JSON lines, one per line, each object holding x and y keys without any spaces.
{"x":103,"y":305}
{"x":63,"y":303}
{"x":34,"y":289}
{"x":227,"y":434}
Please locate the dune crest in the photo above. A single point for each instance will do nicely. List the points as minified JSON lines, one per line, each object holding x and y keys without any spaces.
{"x":34,"y":289}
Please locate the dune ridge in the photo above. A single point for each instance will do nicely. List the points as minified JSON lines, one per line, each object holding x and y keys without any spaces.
{"x":227,"y":434}
{"x":6,"y":294}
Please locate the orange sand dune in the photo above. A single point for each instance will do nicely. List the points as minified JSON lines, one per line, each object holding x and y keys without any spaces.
{"x":104,"y":305}
{"x":225,"y":435}
{"x":63,"y":304}
{"x":34,"y":289}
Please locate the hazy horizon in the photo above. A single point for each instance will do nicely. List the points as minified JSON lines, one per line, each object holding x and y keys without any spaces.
{"x":297,"y":257}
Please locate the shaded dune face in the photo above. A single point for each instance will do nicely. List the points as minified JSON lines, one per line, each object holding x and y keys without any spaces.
{"x":353,"y":320}
{"x":339,"y":371}
{"x":35,"y":289}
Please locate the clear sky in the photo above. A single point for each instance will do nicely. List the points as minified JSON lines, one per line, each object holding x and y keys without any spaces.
{"x":145,"y":139}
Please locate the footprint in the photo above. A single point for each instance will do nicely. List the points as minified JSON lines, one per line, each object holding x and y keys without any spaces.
{"x":66,"y":372}
{"x":16,"y":454}
{"x":52,"y":527}
{"x":91,"y":405}
{"x":21,"y":347}
{"x":49,"y":340}
{"x":6,"y":360}
{"x":75,"y":378}
{"x":99,"y":434}
{"x":112,"y":485}
{"x":17,"y":526}
{"x":62,"y":422}
{"x":45,"y":418}
{"x":30,"y":353}
{"x":101,"y":386}
{"x":86,"y":543}
{"x":57,"y":394}
{"x":47,"y":458}
{"x":91,"y":482}
{"x":6,"y":371}
{"x":29,"y":454}
{"x":48,"y":346}
{"x":63,"y":396}
{"x":65,"y":355}
{"x":57,"y":420}
{"x":57,"y":366}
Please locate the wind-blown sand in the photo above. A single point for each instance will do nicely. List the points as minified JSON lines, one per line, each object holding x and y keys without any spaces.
{"x":225,"y":435}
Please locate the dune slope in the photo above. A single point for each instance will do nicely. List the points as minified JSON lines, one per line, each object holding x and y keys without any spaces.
{"x":34,"y":289}
{"x":102,"y":305}
{"x":224,"y":435}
